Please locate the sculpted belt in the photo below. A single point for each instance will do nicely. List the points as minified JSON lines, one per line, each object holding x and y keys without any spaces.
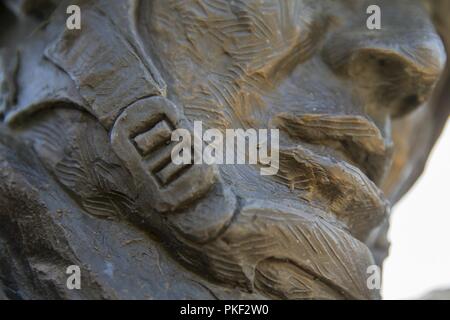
{"x":124,"y":91}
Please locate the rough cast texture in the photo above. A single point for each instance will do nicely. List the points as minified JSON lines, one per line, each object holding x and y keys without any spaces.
{"x":85,"y":168}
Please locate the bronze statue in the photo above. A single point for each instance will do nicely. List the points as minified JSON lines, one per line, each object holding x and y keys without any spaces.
{"x":87,"y":114}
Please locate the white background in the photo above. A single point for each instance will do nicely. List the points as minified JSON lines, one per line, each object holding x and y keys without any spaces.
{"x":419,"y":259}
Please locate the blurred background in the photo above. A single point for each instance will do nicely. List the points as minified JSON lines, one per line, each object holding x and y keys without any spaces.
{"x":419,"y":260}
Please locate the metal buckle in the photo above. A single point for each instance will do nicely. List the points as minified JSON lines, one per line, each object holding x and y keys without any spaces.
{"x":141,"y":137}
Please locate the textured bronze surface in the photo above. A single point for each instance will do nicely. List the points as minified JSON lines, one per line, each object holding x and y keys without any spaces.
{"x":86,"y":118}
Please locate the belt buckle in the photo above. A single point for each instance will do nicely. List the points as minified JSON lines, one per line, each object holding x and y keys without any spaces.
{"x":141,"y":137}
